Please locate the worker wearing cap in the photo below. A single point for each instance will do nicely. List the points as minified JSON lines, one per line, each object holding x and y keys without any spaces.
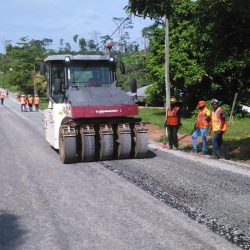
{"x":36,"y":102}
{"x":173,"y":123}
{"x":2,"y":96}
{"x":23,"y":103}
{"x":219,"y":127}
{"x":201,"y":127}
{"x":30,"y":102}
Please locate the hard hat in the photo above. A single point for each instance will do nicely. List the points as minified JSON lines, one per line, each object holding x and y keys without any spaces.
{"x":214,"y":101}
{"x":173,"y":100}
{"x":201,"y":103}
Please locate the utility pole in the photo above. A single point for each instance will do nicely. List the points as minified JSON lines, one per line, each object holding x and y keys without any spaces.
{"x":34,"y":80}
{"x":167,"y":80}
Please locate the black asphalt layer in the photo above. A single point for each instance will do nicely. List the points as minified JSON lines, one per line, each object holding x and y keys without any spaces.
{"x":47,"y":205}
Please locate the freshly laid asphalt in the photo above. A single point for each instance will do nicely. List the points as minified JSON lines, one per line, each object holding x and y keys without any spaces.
{"x":169,"y":200}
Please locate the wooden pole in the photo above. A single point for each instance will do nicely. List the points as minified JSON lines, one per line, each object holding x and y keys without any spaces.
{"x":232,"y":110}
{"x":34,"y":81}
{"x":167,"y":80}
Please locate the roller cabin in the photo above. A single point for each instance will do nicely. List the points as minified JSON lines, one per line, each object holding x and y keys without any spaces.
{"x":89,"y":118}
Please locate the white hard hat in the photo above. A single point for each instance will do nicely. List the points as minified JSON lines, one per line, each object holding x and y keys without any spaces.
{"x":214,"y":101}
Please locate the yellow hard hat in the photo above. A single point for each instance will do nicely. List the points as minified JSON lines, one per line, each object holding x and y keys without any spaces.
{"x":173,"y":100}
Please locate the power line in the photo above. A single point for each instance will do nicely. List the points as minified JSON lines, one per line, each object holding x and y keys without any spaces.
{"x":127,"y":18}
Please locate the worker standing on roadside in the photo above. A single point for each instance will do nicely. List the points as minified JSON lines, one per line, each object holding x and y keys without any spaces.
{"x":201,"y":127}
{"x":36,"y":102}
{"x":23,"y":103}
{"x":2,"y":96}
{"x":30,"y":102}
{"x":173,"y":123}
{"x":218,"y":126}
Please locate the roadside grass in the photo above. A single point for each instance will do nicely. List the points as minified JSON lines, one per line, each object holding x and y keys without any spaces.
{"x":43,"y":103}
{"x":153,"y":115}
{"x":157,"y":117}
{"x":236,"y":138}
{"x":239,"y":130}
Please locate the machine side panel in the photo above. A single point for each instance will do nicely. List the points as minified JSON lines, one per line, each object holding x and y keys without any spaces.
{"x":103,"y":111}
{"x":53,"y":120}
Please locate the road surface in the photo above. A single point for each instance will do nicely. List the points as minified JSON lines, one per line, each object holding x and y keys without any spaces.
{"x":165,"y":201}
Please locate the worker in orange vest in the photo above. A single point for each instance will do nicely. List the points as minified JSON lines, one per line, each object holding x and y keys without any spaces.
{"x":173,"y":123}
{"x":36,"y":102}
{"x":2,"y":96}
{"x":30,"y":102}
{"x":219,"y":127}
{"x":23,"y":103}
{"x":201,"y":127}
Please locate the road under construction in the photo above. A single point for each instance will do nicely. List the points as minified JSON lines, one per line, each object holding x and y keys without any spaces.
{"x":167,"y":200}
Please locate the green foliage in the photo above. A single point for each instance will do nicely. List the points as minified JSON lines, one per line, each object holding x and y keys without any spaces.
{"x":21,"y":62}
{"x":153,"y":115}
{"x":135,"y":69}
{"x":43,"y":103}
{"x":209,"y":49}
{"x":153,"y":92}
{"x":153,"y":9}
{"x":223,"y":38}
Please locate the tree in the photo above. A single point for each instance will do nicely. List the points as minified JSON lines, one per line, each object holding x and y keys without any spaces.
{"x":82,"y":44}
{"x":156,"y":9}
{"x":67,"y":47}
{"x":223,"y":30}
{"x":123,"y":25}
{"x":184,"y":68}
{"x":135,"y":69}
{"x":21,"y":62}
{"x":209,"y":48}
{"x":75,"y":38}
{"x":147,"y":8}
{"x":91,"y":45}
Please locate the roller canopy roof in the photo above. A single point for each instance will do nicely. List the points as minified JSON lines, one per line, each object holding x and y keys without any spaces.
{"x":78,"y":58}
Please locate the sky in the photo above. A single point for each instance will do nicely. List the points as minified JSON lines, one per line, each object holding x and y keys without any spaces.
{"x":56,"y":19}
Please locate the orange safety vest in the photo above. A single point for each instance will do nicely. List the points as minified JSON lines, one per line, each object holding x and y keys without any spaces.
{"x":172,"y":118}
{"x":22,"y":100}
{"x":36,"y":100}
{"x":30,"y":100}
{"x":216,"y":120}
{"x":203,"y":118}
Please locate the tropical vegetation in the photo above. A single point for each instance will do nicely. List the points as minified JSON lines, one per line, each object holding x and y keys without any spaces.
{"x":209,"y":52}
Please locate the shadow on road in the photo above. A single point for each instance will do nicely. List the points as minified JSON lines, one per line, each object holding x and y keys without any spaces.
{"x":150,"y":154}
{"x":11,"y":235}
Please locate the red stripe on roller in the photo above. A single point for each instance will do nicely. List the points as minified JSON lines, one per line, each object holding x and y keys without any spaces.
{"x":103,"y":111}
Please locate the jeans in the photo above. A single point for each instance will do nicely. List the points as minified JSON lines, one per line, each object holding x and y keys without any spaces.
{"x":23,"y":107}
{"x":203,"y":133}
{"x":172,"y":136}
{"x":218,"y":147}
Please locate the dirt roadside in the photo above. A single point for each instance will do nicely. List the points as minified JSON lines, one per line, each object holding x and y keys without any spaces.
{"x":238,"y":153}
